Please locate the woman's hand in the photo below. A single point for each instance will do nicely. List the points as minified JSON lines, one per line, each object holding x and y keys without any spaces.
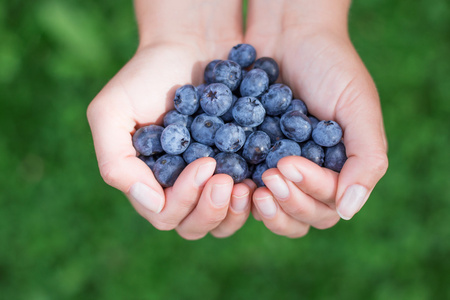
{"x":169,"y":55}
{"x":318,"y":61}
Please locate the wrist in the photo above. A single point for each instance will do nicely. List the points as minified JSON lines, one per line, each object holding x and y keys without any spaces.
{"x":188,"y":21}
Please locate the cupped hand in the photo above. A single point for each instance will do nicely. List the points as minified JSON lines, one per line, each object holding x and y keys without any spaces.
{"x":322,"y":68}
{"x":140,"y":94}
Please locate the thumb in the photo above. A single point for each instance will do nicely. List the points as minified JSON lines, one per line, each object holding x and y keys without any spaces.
{"x":366,"y":147}
{"x":111,"y":127}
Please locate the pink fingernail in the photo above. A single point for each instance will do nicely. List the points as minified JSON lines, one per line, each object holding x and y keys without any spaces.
{"x":277,"y":186}
{"x":204,"y":172}
{"x":354,"y":198}
{"x":239,"y":203}
{"x":220,"y":194}
{"x":291,"y":173}
{"x":148,"y":197}
{"x":266,"y":206}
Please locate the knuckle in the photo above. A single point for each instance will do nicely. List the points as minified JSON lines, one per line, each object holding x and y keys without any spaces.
{"x":327,"y":223}
{"x":380,"y":163}
{"x":279,"y":228}
{"x":109,"y":173}
{"x":163,"y":226}
{"x":191,"y":236}
{"x":221,"y":233}
{"x":301,"y":232}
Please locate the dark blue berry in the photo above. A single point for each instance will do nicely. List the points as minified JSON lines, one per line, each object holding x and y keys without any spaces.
{"x":248,"y":111}
{"x":327,"y":133}
{"x":256,"y":147}
{"x":196,"y":151}
{"x":281,"y":149}
{"x":313,"y":152}
{"x":254,"y":84}
{"x":243,"y":54}
{"x":296,"y":126}
{"x":314,"y":121}
{"x":335,"y":157}
{"x":216,"y":99}
{"x":271,"y":126}
{"x":147,"y":140}
{"x":167,"y":169}
{"x":209,"y":74}
{"x":229,"y":138}
{"x":200,"y":89}
{"x":175,"y":139}
{"x":258,"y":172}
{"x":297,"y":104}
{"x":231,"y":164}
{"x":277,"y":99}
{"x":270,"y":66}
{"x":228,"y":115}
{"x":175,"y":117}
{"x":229,"y":73}
{"x":149,"y":160}
{"x":204,"y":127}
{"x":186,"y":99}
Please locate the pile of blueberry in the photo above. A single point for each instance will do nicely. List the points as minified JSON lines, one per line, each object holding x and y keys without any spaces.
{"x":243,"y":119}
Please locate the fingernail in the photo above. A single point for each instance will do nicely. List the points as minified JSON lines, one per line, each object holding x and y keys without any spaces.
{"x":146,"y":196}
{"x":277,"y":186}
{"x":239,"y":203}
{"x":204,"y":172}
{"x":220,"y":194}
{"x":266,"y":206}
{"x":354,"y":198}
{"x":291,"y":173}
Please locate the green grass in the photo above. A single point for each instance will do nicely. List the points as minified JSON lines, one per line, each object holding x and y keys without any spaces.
{"x":64,"y":234}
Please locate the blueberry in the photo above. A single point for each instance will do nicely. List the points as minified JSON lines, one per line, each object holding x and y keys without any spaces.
{"x":296,"y":126}
{"x":297,"y":104}
{"x":175,"y":139}
{"x":256,"y":147}
{"x":243,"y":54}
{"x":167,"y":169}
{"x":186,"y":100}
{"x":271,"y":126}
{"x":281,"y":149}
{"x":216,"y":99}
{"x":209,"y":74}
{"x":147,"y":140}
{"x":248,"y":130}
{"x":200,"y":89}
{"x":149,"y":160}
{"x":231,"y":164}
{"x":229,"y":73}
{"x":327,"y":133}
{"x":277,"y":99}
{"x":174,"y":117}
{"x":314,"y":121}
{"x":313,"y":152}
{"x":229,"y":138}
{"x":255,"y":83}
{"x":228,"y":115}
{"x":248,"y":111}
{"x":196,"y":151}
{"x":335,"y":157}
{"x":269,"y":66}
{"x":204,"y":127}
{"x":258,"y":172}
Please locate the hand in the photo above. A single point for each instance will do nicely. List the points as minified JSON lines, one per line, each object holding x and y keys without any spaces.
{"x":319,"y":63}
{"x":140,"y":94}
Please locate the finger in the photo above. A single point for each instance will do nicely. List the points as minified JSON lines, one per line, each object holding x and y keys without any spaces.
{"x":366,"y":147}
{"x":111,"y":124}
{"x":275,"y":219}
{"x":297,"y":204}
{"x":182,"y":198}
{"x":238,"y":211}
{"x":317,"y":182}
{"x":211,"y":208}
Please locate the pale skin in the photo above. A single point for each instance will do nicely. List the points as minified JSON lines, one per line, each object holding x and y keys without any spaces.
{"x":317,"y":60}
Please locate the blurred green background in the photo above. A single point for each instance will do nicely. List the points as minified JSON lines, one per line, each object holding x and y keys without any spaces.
{"x":65,"y":234}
